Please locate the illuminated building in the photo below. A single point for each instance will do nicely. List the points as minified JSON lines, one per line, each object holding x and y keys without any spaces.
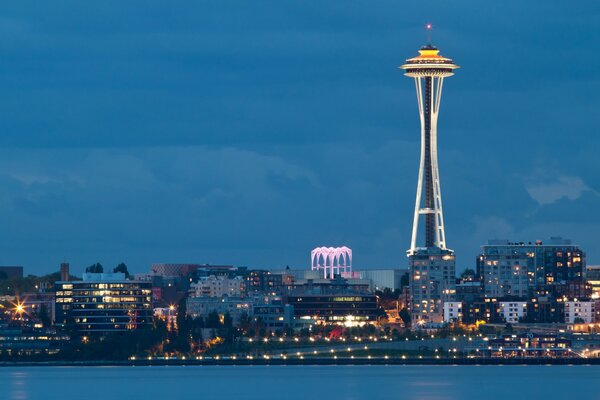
{"x":513,"y":311}
{"x":453,"y":311}
{"x":14,"y":341}
{"x":486,"y":310}
{"x":432,"y":267}
{"x":103,"y":303}
{"x":592,"y":277}
{"x":580,"y":312}
{"x":432,"y":283}
{"x":272,"y":312}
{"x":338,"y":309}
{"x":234,"y":306}
{"x":263,"y":281}
{"x":331,"y":261}
{"x":528,"y":345}
{"x":556,"y":268}
{"x":218,"y":286}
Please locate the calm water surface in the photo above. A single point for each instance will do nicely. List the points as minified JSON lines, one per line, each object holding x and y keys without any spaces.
{"x":301,"y":382}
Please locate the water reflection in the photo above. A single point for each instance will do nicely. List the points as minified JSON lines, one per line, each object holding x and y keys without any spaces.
{"x":18,"y":386}
{"x":299,"y":382}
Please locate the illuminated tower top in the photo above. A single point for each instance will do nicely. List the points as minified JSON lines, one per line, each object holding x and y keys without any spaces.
{"x":429,"y":62}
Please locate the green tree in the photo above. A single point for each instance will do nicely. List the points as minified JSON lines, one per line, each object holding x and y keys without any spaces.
{"x":44,"y":316}
{"x":95,"y":269}
{"x":122,"y":268}
{"x":468,"y":274}
{"x":405,"y":315}
{"x":213,"y":320}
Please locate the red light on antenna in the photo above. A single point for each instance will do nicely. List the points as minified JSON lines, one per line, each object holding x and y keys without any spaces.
{"x":428,"y":26}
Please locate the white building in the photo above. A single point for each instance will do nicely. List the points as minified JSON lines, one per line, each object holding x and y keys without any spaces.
{"x":218,"y":286}
{"x":202,"y":306}
{"x":453,"y":311}
{"x":384,"y":278}
{"x":580,"y":312}
{"x":513,"y":311}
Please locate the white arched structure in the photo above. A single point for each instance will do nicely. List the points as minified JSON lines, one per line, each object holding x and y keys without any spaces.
{"x":331,"y":260}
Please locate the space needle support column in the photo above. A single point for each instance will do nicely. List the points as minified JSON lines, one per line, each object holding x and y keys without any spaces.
{"x":413,"y":241}
{"x":437,"y":193}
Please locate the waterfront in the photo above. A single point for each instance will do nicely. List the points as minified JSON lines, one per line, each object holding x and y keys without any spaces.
{"x":299,"y":382}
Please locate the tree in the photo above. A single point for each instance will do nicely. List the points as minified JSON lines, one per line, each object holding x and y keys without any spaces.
{"x":3,"y":276}
{"x":405,"y":315}
{"x":213,"y":320}
{"x":44,"y":316}
{"x":468,"y":274}
{"x":122,"y":268}
{"x":95,"y":269}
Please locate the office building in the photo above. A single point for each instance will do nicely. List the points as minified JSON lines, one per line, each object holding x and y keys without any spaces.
{"x":556,"y":267}
{"x":103,"y":304}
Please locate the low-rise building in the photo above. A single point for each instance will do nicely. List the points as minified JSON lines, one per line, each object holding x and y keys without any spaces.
{"x":350,"y":309}
{"x":218,"y":286}
{"x":580,"y":312}
{"x":453,"y":311}
{"x":528,"y":345}
{"x":271,"y":311}
{"x":234,"y":306}
{"x":383,"y":278}
{"x":513,"y":311}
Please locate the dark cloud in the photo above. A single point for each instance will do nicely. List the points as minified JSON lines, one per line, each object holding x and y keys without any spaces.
{"x":248,"y":132}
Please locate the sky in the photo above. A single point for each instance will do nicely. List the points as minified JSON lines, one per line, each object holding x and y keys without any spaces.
{"x":249,"y":132}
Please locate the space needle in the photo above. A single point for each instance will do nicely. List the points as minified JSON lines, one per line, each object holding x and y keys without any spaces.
{"x":432,"y":267}
{"x":429,"y":69}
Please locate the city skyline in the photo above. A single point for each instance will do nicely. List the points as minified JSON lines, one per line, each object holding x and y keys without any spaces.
{"x":253,"y":142}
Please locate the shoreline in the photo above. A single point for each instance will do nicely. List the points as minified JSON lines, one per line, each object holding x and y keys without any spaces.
{"x":308,"y":362}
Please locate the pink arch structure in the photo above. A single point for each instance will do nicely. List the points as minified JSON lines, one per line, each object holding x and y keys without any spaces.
{"x":331,"y":260}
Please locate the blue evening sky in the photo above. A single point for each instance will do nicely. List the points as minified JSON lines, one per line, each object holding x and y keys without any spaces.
{"x":248,"y":132}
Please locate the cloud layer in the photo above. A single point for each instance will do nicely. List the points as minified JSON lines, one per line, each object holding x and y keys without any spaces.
{"x":248,"y":133}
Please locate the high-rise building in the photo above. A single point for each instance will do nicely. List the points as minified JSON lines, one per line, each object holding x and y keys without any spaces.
{"x":432,"y":267}
{"x":555,"y":267}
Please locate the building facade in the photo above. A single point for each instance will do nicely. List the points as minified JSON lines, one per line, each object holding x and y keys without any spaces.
{"x":453,"y":311}
{"x":432,"y":283}
{"x":236,"y":307}
{"x":103,"y":303}
{"x":384,"y":278}
{"x":337,"y":309}
{"x":218,"y":286}
{"x":556,"y":267}
{"x":513,"y":311}
{"x":579,"y":312}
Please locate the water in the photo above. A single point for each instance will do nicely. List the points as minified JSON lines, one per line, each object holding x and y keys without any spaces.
{"x":301,"y":382}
